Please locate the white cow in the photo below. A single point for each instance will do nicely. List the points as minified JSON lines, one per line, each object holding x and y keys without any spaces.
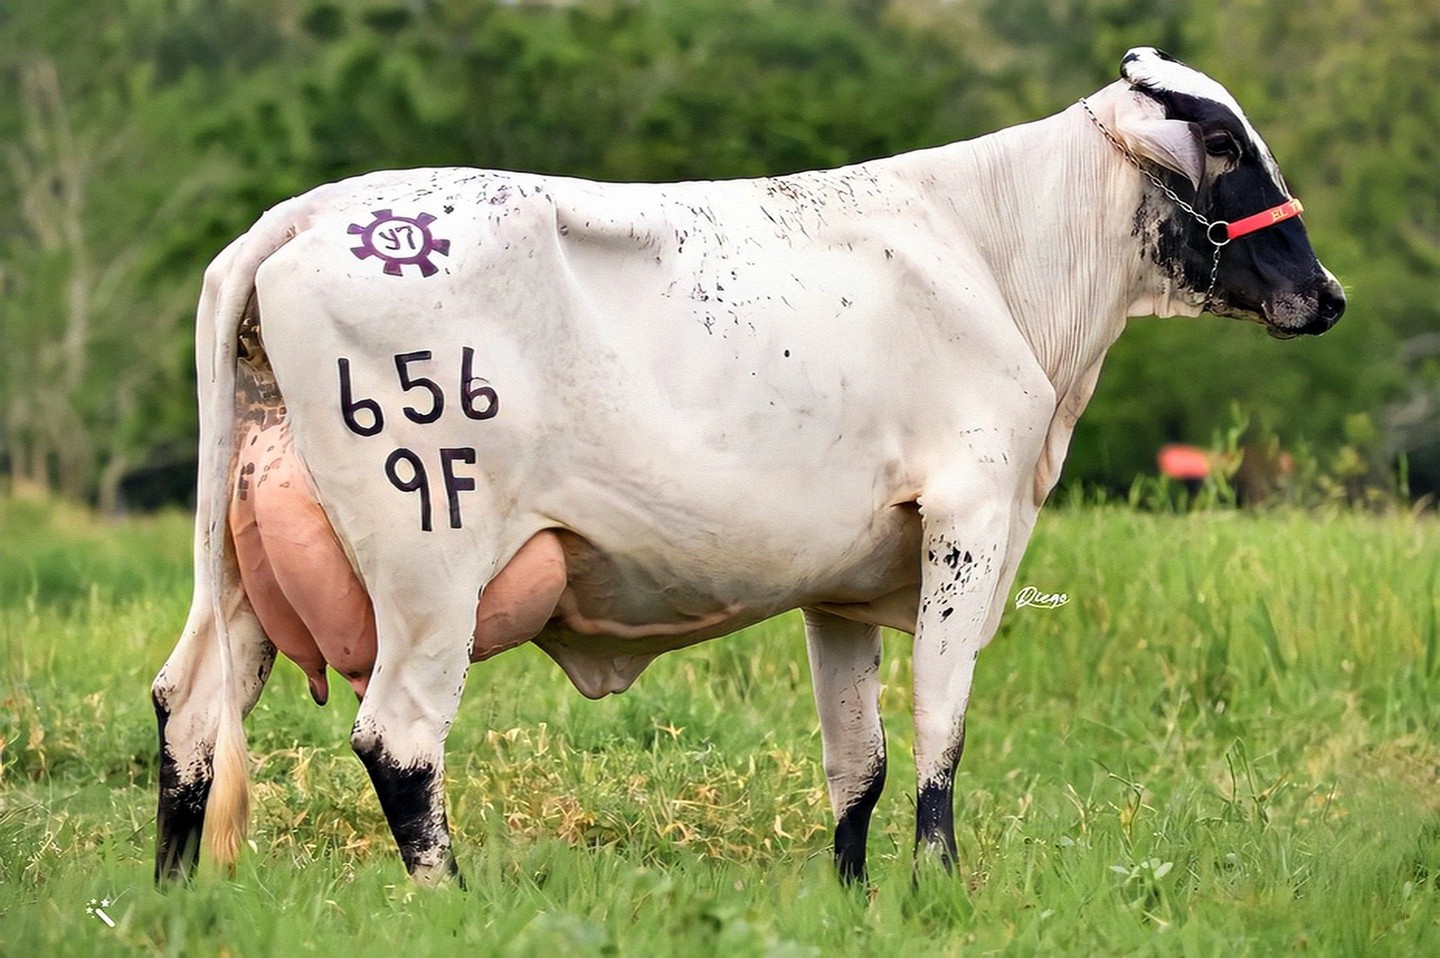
{"x":635,"y":417}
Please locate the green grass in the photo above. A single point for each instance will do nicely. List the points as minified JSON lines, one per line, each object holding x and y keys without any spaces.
{"x":1226,"y":743}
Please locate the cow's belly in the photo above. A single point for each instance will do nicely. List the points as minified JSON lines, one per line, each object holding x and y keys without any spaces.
{"x":602,"y":614}
{"x":620,"y":609}
{"x":618,"y":613}
{"x":658,"y":589}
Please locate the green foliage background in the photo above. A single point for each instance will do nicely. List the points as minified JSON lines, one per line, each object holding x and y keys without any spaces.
{"x":141,"y":135}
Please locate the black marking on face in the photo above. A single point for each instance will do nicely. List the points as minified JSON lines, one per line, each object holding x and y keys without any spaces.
{"x":853,"y":826}
{"x":410,"y":797}
{"x":1255,"y":271}
{"x":1134,"y":55}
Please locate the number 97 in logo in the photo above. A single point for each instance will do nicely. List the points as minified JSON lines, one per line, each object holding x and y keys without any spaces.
{"x":399,"y":241}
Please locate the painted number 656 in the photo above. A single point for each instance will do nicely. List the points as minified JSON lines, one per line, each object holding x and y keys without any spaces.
{"x":477,"y":399}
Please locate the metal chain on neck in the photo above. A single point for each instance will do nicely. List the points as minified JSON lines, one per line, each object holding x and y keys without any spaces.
{"x":1206,"y":224}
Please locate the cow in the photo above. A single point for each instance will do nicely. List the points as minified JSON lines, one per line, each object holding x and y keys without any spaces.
{"x":446,"y":412}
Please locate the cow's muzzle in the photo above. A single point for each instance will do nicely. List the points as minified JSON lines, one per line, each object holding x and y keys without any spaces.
{"x":1306,"y":314}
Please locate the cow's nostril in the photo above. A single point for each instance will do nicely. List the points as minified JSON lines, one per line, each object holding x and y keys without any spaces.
{"x":1329,"y":307}
{"x":1332,"y":303}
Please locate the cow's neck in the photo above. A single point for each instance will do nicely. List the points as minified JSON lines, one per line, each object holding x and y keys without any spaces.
{"x":1052,"y":209}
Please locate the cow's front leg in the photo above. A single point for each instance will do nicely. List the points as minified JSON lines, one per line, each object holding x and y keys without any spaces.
{"x":399,"y":734}
{"x":972,"y":543}
{"x":844,"y":660}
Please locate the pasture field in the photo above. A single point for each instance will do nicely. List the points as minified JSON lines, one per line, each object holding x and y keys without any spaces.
{"x":1226,"y":743}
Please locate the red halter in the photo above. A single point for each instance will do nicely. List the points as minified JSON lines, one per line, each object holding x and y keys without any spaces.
{"x":1250,"y":224}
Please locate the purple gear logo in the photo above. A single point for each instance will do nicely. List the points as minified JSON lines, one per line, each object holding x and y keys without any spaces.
{"x":400,"y":241}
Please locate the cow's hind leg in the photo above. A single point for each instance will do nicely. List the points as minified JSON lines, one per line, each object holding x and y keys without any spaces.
{"x":189,"y":680}
{"x":189,"y":696}
{"x":844,"y":661}
{"x":425,"y":622}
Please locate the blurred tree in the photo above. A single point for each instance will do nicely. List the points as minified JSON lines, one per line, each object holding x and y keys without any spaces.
{"x":145,"y":134}
{"x":95,"y":355}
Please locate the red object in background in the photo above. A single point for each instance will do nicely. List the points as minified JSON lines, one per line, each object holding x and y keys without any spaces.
{"x":1183,"y":462}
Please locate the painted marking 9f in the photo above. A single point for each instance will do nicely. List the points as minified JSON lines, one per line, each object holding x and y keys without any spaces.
{"x":418,"y":480}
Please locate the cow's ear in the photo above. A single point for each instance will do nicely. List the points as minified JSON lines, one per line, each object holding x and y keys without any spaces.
{"x":1174,"y":144}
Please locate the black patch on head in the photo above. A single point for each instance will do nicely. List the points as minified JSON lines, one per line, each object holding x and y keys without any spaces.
{"x":1134,"y":55}
{"x":1252,"y":268}
{"x":1178,"y":246}
{"x":1209,"y":116}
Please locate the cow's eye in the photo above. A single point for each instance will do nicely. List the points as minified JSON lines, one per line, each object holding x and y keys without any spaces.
{"x":1221,"y":143}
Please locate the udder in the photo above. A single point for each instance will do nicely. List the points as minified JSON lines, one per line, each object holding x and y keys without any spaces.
{"x":309,"y":600}
{"x":307,"y":595}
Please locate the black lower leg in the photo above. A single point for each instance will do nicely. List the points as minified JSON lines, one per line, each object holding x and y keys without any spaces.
{"x":410,"y":797}
{"x":180,"y":814}
{"x":853,"y":827}
{"x":935,"y":807}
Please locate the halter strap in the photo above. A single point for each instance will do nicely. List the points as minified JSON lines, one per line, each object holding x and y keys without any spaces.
{"x":1275,"y":214}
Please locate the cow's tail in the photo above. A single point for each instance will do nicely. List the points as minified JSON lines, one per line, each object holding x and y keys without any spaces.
{"x":229,"y":290}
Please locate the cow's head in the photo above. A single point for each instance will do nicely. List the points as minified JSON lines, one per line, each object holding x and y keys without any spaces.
{"x":1192,"y":127}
